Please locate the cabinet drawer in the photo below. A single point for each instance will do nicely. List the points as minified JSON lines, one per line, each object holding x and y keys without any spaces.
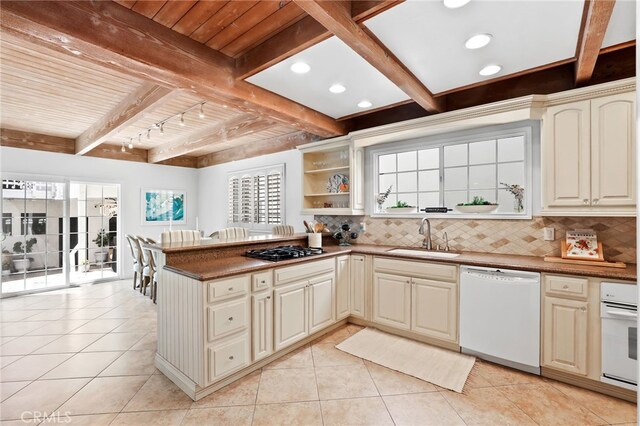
{"x":262,"y":280}
{"x":303,"y":270}
{"x":557,"y":285}
{"x":227,"y":357}
{"x":437,"y":271}
{"x":227,"y":318}
{"x":226,"y":288}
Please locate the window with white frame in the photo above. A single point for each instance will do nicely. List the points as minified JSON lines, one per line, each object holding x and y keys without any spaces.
{"x":256,"y":198}
{"x":447,"y":171}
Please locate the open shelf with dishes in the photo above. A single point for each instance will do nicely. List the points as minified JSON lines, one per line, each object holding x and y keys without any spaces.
{"x":328,"y":172}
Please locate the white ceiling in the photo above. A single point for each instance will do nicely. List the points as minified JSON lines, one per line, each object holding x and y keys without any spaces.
{"x":429,"y":38}
{"x":331,"y":62}
{"x":622,"y":26}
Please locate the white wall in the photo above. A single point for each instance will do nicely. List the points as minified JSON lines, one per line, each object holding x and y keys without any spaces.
{"x":212,"y":194}
{"x":131,"y":176}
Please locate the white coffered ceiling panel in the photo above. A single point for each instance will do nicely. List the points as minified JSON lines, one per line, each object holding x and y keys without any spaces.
{"x":622,"y":26}
{"x":331,"y":62}
{"x":429,"y":38}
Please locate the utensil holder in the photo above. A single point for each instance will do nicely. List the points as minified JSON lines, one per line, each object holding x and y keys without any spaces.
{"x":315,"y":240}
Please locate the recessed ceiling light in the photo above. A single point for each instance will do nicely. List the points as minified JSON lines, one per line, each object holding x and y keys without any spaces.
{"x":364,"y":104}
{"x":490,"y":70}
{"x":477,"y":41}
{"x":300,"y":68}
{"x":454,"y":4}
{"x":337,"y":88}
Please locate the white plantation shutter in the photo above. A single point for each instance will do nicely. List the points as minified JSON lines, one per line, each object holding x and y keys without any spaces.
{"x":256,"y":198}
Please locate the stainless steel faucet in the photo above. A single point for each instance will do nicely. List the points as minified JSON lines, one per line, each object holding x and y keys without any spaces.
{"x":427,"y":238}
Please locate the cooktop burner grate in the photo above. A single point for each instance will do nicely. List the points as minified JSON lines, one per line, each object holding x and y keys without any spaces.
{"x":283,"y":253}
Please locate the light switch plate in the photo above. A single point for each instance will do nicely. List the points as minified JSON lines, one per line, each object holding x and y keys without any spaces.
{"x":549,"y":234}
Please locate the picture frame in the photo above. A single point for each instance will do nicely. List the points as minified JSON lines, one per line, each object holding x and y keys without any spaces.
{"x":163,"y":206}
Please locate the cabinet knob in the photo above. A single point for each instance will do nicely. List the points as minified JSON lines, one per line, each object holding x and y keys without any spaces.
{"x":268,"y":297}
{"x":230,"y":289}
{"x":596,"y":200}
{"x":408,"y":281}
{"x":231,"y":357}
{"x":263,"y":282}
{"x":583,"y":309}
{"x":585,"y":201}
{"x":565,"y":286}
{"x":230,"y":318}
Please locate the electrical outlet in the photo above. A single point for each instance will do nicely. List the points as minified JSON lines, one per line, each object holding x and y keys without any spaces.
{"x":549,"y":234}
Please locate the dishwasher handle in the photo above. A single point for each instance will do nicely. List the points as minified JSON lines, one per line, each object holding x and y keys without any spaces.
{"x":499,"y":275}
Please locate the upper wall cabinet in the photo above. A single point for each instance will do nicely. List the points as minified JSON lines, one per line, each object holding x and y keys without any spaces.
{"x":588,"y":157}
{"x":332,"y":178}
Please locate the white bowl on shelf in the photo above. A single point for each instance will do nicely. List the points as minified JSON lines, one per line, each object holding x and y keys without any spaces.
{"x":483,"y":208}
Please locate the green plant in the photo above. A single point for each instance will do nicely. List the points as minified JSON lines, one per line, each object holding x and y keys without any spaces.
{"x":102,"y":240}
{"x":19,"y":247}
{"x":401,"y":205}
{"x":478,"y":201}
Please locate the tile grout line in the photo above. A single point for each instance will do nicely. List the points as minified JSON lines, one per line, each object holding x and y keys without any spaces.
{"x":378,"y":390}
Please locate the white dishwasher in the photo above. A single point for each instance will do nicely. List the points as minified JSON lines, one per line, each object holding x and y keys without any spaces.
{"x":500,"y":316}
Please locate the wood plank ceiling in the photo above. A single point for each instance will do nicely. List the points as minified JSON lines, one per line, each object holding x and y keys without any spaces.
{"x":74,"y":88}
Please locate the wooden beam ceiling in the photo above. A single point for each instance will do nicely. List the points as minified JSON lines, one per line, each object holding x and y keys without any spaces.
{"x":146,"y":98}
{"x":335,"y":16}
{"x":116,"y":37}
{"x":226,"y":131}
{"x":595,"y":20}
{"x":300,"y":36}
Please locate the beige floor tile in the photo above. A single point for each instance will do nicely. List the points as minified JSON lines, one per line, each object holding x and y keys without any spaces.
{"x":87,"y":313}
{"x":39,"y":397}
{"x":353,"y":328}
{"x":132,"y":363}
{"x":300,"y":358}
{"x":148,"y":343}
{"x":62,"y":326}
{"x":475,"y":380}
{"x":422,"y":409}
{"x":99,"y":326}
{"x":20,"y":328}
{"x":345,"y":381}
{"x":114,"y":342}
{"x":291,"y":413}
{"x":240,"y":392}
{"x":221,"y":416}
{"x":50,"y":315}
{"x":24,"y":345}
{"x":361,"y":411}
{"x":6,"y":339}
{"x":497,"y":375}
{"x":155,"y":418}
{"x":325,"y":355}
{"x":69,"y":343}
{"x":611,"y":409}
{"x":335,"y":337}
{"x":91,"y":420}
{"x":31,"y":367}
{"x":9,"y":388}
{"x":104,"y":395}
{"x":135,"y":325}
{"x":82,"y":365}
{"x":287,"y":385}
{"x":548,"y":406}
{"x":486,"y":406}
{"x":159,"y":393}
{"x":6,"y":360}
{"x":20,"y":315}
{"x":390,"y":382}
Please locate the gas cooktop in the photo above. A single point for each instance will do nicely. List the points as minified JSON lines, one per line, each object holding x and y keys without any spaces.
{"x":283,"y":253}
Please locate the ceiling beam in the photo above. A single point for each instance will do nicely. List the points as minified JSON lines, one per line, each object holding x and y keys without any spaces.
{"x":595,"y":19}
{"x":105,"y":33}
{"x":142,"y":101}
{"x":19,"y":139}
{"x":300,"y":36}
{"x":269,"y":146}
{"x":335,"y":16}
{"x":225,"y":131}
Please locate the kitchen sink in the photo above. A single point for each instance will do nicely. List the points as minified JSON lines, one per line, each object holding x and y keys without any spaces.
{"x":424,"y":253}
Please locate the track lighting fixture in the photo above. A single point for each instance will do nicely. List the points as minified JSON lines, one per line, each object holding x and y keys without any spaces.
{"x":130,"y":143}
{"x":162,"y":128}
{"x":182,"y":120}
{"x":148,"y":134}
{"x":201,"y":113}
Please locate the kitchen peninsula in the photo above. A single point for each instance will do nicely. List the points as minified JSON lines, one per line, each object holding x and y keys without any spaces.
{"x":222,"y":315}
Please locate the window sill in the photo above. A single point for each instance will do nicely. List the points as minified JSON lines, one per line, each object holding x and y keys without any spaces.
{"x":453,"y":216}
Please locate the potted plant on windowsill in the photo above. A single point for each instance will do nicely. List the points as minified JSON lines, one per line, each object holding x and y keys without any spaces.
{"x":401,"y":207}
{"x":478,"y":205}
{"x":102,"y":241}
{"x":6,"y":262}
{"x":20,"y":262}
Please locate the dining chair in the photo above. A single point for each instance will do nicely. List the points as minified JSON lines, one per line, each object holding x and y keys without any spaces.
{"x":233,"y":233}
{"x":283,"y":230}
{"x":136,"y":255}
{"x":148,"y":267}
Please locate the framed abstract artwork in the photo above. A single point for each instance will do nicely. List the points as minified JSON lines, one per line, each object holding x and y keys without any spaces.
{"x":164,"y":207}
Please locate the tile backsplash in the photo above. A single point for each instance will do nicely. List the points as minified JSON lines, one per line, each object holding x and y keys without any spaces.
{"x":523,"y":237}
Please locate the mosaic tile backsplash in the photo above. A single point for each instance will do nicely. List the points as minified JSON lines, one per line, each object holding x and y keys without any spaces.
{"x":523,"y":237}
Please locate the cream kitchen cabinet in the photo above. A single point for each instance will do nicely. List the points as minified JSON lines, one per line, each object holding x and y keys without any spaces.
{"x":392,"y":300}
{"x":343,"y":282}
{"x":262,"y":325}
{"x":588,"y":157}
{"x":565,"y":335}
{"x":321,"y":302}
{"x":434,"y":308}
{"x":358,"y":285}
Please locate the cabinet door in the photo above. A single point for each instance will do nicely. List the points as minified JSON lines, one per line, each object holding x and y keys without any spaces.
{"x":434,"y":309}
{"x":358,"y":283}
{"x":291,"y":314}
{"x":262,"y":330}
{"x":321,"y":303}
{"x":343,"y":272}
{"x":392,"y":300}
{"x":566,"y":155}
{"x":565,"y":335}
{"x":613,"y":168}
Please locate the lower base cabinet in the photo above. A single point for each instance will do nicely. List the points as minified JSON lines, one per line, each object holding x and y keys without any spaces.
{"x":392,"y":300}
{"x":262,"y":325}
{"x":434,"y":308}
{"x":321,"y":303}
{"x":343,"y":282}
{"x":228,"y":356}
{"x":357,"y":286}
{"x":565,"y":334}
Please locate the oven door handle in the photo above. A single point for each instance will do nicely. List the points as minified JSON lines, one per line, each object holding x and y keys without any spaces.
{"x":623,"y":314}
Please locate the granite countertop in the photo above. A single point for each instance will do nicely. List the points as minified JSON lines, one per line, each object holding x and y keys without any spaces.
{"x":213,"y":243}
{"x":224,"y":267}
